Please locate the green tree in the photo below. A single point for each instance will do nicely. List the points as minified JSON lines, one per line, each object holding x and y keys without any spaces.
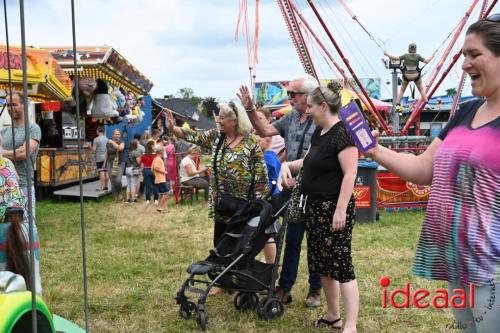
{"x":209,"y":106}
{"x":451,"y":92}
{"x":188,"y":95}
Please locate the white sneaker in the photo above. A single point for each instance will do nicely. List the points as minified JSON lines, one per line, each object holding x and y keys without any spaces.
{"x":156,"y":202}
{"x":147,"y":202}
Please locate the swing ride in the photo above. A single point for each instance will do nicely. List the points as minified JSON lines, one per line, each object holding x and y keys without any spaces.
{"x":307,"y":43}
{"x":55,"y":84}
{"x":400,"y":136}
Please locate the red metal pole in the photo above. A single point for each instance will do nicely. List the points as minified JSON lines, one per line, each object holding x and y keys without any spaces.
{"x":450,"y":46}
{"x":292,"y":34}
{"x":303,"y":43}
{"x":459,"y":93}
{"x":461,"y":83}
{"x":419,"y":106}
{"x":304,"y":58}
{"x":354,"y":76}
{"x":337,"y":66}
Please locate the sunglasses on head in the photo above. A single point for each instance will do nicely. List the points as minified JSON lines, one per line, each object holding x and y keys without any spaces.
{"x":292,"y":94}
{"x":494,"y":18}
{"x":234,"y":108}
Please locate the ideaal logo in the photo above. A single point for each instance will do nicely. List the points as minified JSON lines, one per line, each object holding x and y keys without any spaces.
{"x":422,"y":298}
{"x":439,"y":299}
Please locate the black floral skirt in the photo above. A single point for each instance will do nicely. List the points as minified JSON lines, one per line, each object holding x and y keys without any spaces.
{"x":328,"y":251}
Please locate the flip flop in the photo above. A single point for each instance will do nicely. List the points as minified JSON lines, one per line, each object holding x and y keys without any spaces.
{"x":323,"y":322}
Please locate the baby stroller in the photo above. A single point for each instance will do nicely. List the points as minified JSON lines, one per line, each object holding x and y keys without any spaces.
{"x":232,"y":265}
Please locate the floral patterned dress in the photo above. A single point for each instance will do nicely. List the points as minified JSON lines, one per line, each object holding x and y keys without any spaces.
{"x":236,"y":167}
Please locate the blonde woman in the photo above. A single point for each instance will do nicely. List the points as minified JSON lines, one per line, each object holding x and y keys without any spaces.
{"x":241,"y":170}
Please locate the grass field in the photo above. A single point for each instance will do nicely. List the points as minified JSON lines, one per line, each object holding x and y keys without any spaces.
{"x":137,"y":260}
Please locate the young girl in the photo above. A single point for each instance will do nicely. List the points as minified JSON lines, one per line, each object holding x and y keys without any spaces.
{"x":160,"y":174}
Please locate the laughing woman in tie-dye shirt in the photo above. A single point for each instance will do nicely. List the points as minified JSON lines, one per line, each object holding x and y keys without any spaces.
{"x":460,"y":239}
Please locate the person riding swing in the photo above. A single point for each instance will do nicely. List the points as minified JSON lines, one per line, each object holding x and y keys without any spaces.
{"x":411,"y":70}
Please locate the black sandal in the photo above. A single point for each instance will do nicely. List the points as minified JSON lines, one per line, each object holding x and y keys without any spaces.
{"x":323,"y":322}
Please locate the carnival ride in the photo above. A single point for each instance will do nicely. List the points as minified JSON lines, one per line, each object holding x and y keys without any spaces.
{"x":312,"y":49}
{"x":317,"y":33}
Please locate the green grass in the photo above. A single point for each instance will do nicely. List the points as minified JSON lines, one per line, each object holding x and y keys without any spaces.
{"x":137,"y":260}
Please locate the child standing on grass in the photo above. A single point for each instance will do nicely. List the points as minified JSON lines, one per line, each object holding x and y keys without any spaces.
{"x":160,"y":173}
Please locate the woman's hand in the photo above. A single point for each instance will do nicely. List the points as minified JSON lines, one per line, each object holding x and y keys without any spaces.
{"x":339,"y":217}
{"x":286,"y":176}
{"x":245,"y":98}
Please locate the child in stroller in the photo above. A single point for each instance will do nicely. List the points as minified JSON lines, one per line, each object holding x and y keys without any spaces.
{"x":232,"y":265}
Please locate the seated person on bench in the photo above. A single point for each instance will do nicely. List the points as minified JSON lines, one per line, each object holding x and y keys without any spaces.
{"x":190,"y":174}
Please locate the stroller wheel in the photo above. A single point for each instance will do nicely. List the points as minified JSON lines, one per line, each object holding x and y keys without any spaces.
{"x":270,"y":309}
{"x":187,"y":309}
{"x":202,"y":320}
{"x":244,"y":301}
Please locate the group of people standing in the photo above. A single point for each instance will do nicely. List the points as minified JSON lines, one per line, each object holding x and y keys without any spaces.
{"x":148,"y":165}
{"x":244,"y":163}
{"x":460,"y":239}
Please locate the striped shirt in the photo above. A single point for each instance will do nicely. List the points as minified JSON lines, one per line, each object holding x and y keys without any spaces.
{"x":460,"y":239}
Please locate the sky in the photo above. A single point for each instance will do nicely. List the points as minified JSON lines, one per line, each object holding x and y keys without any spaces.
{"x":190,"y":43}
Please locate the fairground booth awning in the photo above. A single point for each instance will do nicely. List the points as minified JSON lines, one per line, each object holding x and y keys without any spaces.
{"x":103,"y":62}
{"x":46,"y":79}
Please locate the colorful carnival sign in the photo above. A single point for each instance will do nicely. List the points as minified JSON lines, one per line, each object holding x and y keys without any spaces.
{"x":392,"y":191}
{"x":275,"y":92}
{"x":46,"y":79}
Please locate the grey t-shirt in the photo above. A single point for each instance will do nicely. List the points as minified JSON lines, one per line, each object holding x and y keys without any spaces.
{"x":291,"y":129}
{"x":100,"y":143}
{"x":22,"y":166}
{"x":141,"y":149}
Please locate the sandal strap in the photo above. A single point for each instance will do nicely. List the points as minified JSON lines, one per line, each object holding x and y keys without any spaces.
{"x":323,"y":321}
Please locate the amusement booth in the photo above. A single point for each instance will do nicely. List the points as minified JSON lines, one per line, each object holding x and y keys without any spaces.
{"x":112,"y":92}
{"x":48,"y":87}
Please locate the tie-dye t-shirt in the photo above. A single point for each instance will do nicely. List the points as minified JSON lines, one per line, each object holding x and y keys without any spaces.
{"x":460,"y":239}
{"x":12,"y":196}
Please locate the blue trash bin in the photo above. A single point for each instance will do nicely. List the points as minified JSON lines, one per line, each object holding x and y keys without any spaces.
{"x":365,"y":188}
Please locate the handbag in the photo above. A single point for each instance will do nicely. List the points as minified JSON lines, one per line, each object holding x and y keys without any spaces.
{"x":295,"y":213}
{"x":115,"y":168}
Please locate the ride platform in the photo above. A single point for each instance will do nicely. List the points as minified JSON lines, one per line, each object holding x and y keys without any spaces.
{"x":90,"y":190}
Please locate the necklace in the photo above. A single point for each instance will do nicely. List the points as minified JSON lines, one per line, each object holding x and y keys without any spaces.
{"x":231,"y":142}
{"x":325,"y":130}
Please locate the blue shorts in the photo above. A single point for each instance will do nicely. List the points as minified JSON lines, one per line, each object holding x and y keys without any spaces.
{"x":162,"y":188}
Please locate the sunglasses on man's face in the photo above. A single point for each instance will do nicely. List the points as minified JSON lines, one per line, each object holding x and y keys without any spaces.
{"x":292,"y":94}
{"x":494,"y":18}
